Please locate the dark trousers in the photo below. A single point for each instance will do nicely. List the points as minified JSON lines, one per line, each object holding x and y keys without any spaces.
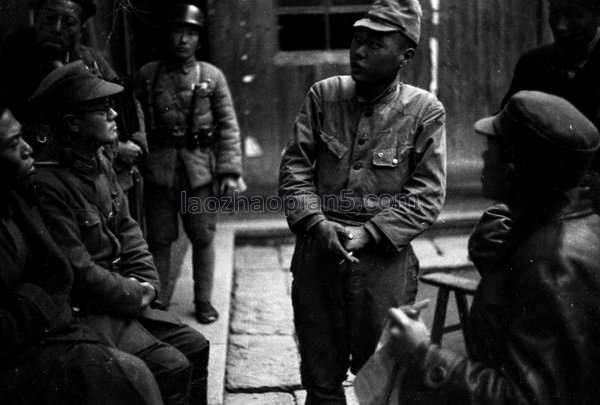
{"x":74,"y":373}
{"x":163,"y":206}
{"x":340,"y":310}
{"x":180,"y":354}
{"x":176,"y":354}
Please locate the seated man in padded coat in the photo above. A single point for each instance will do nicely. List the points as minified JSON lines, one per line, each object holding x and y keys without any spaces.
{"x":45,"y":356}
{"x":534,"y":323}
{"x":116,"y":282}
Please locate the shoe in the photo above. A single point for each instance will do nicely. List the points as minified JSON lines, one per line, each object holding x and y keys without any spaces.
{"x":205,"y":312}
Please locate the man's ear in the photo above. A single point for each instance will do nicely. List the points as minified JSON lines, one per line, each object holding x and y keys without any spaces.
{"x":70,"y":122}
{"x":406,"y":57}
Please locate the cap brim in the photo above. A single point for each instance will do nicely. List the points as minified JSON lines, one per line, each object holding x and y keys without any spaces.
{"x":110,"y":89}
{"x":485,"y":126}
{"x":375,"y":26}
{"x":103,"y":89}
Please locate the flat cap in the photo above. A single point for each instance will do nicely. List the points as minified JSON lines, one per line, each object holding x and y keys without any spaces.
{"x":543,"y":132}
{"x":394,"y":15}
{"x":69,"y":85}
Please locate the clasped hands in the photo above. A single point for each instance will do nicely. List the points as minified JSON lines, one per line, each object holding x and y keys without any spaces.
{"x":148,"y":292}
{"x":341,"y":240}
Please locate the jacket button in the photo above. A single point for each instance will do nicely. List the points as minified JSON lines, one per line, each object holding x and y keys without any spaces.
{"x":437,"y":374}
{"x":358,"y":166}
{"x":380,"y":154}
{"x":395,"y":161}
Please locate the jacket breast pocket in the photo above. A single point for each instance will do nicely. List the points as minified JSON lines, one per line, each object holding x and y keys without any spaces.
{"x":90,"y":227}
{"x":333,"y":145}
{"x":385,"y":157}
{"x":164,"y":102}
{"x":391,"y":166}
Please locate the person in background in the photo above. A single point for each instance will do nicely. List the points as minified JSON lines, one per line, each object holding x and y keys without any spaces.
{"x":568,"y":67}
{"x":47,"y":357}
{"x":116,"y":284}
{"x":533,"y":325}
{"x":195,"y":151}
{"x":55,"y":39}
{"x":362,"y":175}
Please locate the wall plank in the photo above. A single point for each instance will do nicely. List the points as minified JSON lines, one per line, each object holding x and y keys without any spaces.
{"x":479,"y":43}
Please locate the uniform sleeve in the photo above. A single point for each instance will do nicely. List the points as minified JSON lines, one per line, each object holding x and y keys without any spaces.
{"x":297,"y":171}
{"x":541,"y":349}
{"x":104,"y":290}
{"x":229,"y":149}
{"x":489,"y":237}
{"x":421,"y":199}
{"x":136,"y":259}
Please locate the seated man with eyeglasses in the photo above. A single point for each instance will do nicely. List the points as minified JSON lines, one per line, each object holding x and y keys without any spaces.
{"x":46,"y":356}
{"x":116,"y":282}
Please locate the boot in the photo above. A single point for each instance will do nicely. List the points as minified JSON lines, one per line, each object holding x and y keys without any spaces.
{"x":162,"y":260}
{"x":199,"y":392}
{"x":203,"y":261}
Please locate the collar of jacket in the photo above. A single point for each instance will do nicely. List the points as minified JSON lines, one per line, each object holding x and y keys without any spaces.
{"x":172,"y":64}
{"x":571,"y":203}
{"x":384,"y":97}
{"x":85,"y":166}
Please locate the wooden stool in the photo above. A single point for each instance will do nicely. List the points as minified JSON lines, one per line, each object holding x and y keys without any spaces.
{"x":461,"y":287}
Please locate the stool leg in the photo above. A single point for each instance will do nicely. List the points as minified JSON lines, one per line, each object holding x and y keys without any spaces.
{"x":463,"y":311}
{"x":439,"y":317}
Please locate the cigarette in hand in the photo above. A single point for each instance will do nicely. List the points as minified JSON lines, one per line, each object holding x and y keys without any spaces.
{"x":351,"y":254}
{"x":414,"y":311}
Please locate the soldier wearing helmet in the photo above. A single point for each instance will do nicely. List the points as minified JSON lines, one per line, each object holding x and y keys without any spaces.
{"x":194,"y":151}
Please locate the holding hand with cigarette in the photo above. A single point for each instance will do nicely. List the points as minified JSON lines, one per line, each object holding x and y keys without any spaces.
{"x":332,"y":235}
{"x":407,"y":331}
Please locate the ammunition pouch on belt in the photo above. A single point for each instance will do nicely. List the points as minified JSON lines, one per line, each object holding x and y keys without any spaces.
{"x":178,"y":137}
{"x":203,"y":138}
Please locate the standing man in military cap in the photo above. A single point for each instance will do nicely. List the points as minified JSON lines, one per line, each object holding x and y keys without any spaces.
{"x":55,"y":39}
{"x":116,"y":283}
{"x":195,"y":151}
{"x":533,"y":327}
{"x":363,"y":174}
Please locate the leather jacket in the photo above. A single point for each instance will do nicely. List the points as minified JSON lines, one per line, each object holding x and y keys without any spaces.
{"x":535,"y":319}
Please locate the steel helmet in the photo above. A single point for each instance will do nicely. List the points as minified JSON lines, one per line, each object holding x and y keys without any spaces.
{"x":185,"y":14}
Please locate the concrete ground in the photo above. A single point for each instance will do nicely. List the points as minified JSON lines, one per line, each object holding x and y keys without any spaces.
{"x":254,"y":358}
